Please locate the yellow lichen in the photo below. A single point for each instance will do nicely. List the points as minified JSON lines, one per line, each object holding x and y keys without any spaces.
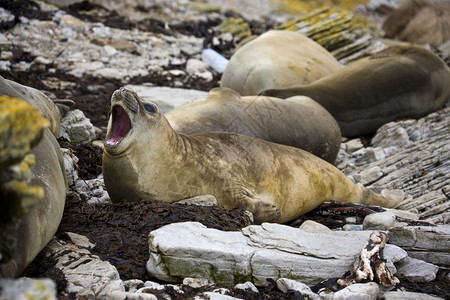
{"x":238,"y":27}
{"x":331,"y":27}
{"x":21,"y":127}
{"x":301,"y":6}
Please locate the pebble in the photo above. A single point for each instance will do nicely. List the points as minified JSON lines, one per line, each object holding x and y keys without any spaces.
{"x":247,"y":285}
{"x":286,"y":285}
{"x":379,"y":221}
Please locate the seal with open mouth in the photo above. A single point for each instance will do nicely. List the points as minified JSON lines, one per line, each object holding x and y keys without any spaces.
{"x":144,"y":158}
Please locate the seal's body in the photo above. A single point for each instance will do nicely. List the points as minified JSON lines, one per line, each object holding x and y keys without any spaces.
{"x":298,"y":121}
{"x":277,"y":59}
{"x":398,"y":82}
{"x":35,"y":229}
{"x":144,"y":158}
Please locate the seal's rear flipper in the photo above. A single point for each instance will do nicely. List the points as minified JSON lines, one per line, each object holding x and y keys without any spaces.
{"x":64,"y":105}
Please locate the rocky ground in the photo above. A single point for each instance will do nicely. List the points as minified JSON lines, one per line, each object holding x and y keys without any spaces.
{"x":84,"y":50}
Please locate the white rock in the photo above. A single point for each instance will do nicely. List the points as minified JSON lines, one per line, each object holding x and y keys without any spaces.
{"x":311,"y":226}
{"x":197,"y":282}
{"x":353,"y":145}
{"x":370,"y":175}
{"x":416,"y":270}
{"x":399,"y":295}
{"x":358,"y":291}
{"x":286,"y":285}
{"x":80,"y":240}
{"x":190,"y":249}
{"x":70,"y":166}
{"x":427,"y":243}
{"x":76,"y":128}
{"x":167,"y":98}
{"x":81,"y":269}
{"x":194,"y":66}
{"x":247,"y":285}
{"x":27,"y":288}
{"x":132,"y":285}
{"x":109,"y":50}
{"x":379,"y":221}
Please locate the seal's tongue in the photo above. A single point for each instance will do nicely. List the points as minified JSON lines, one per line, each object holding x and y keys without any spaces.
{"x":121,"y":124}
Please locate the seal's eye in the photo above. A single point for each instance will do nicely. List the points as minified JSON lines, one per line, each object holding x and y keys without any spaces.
{"x":150,"y":108}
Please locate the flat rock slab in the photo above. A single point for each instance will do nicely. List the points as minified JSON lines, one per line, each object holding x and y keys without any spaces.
{"x":165,"y":97}
{"x":431,"y":244}
{"x":259,"y":252}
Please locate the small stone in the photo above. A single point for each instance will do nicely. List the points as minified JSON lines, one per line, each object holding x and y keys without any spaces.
{"x":197,"y":282}
{"x":109,"y":50}
{"x":194,"y":66}
{"x":247,"y":285}
{"x":286,"y":285}
{"x":80,"y":240}
{"x":352,"y":227}
{"x":353,"y":145}
{"x":132,"y":285}
{"x":379,"y":221}
{"x":311,"y":226}
{"x":416,"y":270}
{"x":358,"y":291}
{"x":371,"y":175}
{"x":71,"y":21}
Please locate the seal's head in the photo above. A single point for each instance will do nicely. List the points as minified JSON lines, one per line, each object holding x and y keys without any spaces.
{"x":129,"y":117}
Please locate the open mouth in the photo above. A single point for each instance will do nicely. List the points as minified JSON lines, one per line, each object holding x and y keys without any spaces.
{"x":121,"y":125}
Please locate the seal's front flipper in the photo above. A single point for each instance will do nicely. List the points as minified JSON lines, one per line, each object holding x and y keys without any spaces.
{"x":262,"y":211}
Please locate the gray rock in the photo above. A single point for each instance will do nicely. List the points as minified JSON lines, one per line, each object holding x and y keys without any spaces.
{"x":27,"y":288}
{"x":418,"y":166}
{"x":286,"y":285}
{"x":167,"y":98}
{"x":70,"y":165}
{"x":214,"y":296}
{"x":247,"y":285}
{"x":379,"y":221}
{"x":358,"y":291}
{"x":81,"y":269}
{"x":258,"y":252}
{"x":311,"y":226}
{"x":399,"y":295}
{"x":427,"y":243}
{"x":80,"y":240}
{"x":197,"y":282}
{"x":76,"y":128}
{"x":416,"y":270}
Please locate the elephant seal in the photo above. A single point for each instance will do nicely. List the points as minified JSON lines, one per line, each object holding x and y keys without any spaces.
{"x":398,"y":82}
{"x":35,"y":229}
{"x":277,"y":59}
{"x":144,"y":158}
{"x":297,"y":121}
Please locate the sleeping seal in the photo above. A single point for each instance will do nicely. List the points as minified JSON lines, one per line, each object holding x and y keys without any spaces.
{"x":398,"y":82}
{"x":298,"y":121}
{"x":35,"y":229}
{"x":277,"y":59}
{"x":144,"y":158}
